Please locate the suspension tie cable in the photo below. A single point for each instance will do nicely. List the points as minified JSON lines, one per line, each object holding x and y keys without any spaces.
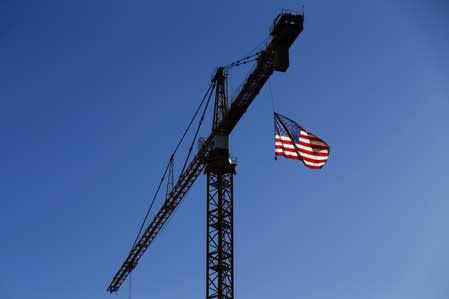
{"x":196,"y":133}
{"x":248,"y":56}
{"x":208,"y":93}
{"x":245,"y":60}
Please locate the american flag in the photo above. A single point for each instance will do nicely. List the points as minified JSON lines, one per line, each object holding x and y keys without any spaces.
{"x":293,"y":142}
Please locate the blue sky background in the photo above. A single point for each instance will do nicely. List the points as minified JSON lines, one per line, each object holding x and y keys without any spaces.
{"x":95,"y":94}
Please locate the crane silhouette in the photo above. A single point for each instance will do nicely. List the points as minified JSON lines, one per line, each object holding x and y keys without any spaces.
{"x":213,"y":158}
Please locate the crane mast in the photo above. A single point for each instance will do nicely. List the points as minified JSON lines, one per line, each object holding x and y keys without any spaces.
{"x":220,"y":233}
{"x":213,"y":157}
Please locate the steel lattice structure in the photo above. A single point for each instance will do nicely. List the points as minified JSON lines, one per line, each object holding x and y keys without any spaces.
{"x":220,"y":238}
{"x":220,"y":230}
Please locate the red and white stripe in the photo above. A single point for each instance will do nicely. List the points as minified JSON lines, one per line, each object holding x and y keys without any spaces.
{"x":313,"y":151}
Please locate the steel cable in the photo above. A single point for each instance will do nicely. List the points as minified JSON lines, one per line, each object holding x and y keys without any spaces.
{"x":207,"y":95}
{"x":196,"y":133}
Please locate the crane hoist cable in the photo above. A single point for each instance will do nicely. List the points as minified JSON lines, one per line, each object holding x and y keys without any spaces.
{"x":207,"y":95}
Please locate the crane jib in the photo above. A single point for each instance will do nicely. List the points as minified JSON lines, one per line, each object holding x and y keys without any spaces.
{"x":286,"y":27}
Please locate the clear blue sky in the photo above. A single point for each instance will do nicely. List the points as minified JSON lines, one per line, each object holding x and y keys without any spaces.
{"x":95,"y":94}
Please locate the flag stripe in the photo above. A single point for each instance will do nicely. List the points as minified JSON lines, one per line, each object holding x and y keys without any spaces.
{"x":305,"y":146}
{"x":314,"y":157}
{"x":304,"y":149}
{"x":289,"y":147}
{"x":311,"y":139}
{"x":304,"y":157}
{"x":304,"y":137}
{"x":304,"y":142}
{"x":308,"y":141}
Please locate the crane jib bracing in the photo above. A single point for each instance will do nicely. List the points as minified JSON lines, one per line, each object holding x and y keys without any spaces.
{"x":274,"y":57}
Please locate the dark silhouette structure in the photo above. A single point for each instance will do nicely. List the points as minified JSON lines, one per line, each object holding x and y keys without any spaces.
{"x":213,"y":158}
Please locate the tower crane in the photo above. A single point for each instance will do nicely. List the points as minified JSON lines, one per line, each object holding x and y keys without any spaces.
{"x":213,"y":158}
